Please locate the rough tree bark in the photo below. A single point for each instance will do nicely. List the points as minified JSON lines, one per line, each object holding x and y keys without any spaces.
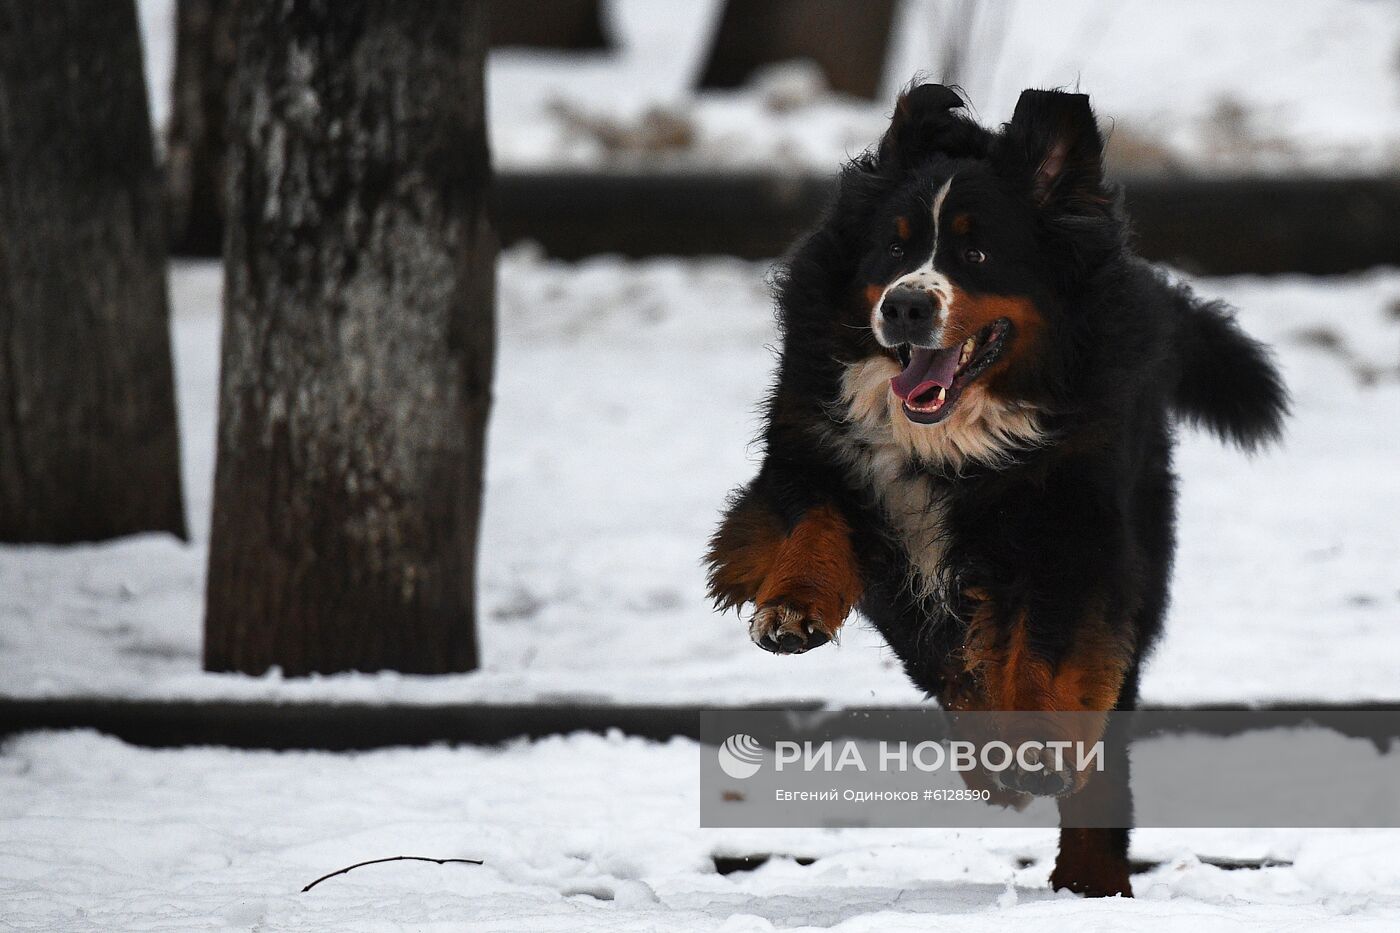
{"x":196,"y":140}
{"x":846,"y":38}
{"x":205,"y":49}
{"x":88,"y":440}
{"x":358,"y":340}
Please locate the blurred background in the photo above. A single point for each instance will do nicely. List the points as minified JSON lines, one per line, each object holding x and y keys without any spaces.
{"x":1193,"y":87}
{"x":1251,"y":87}
{"x":628,"y":87}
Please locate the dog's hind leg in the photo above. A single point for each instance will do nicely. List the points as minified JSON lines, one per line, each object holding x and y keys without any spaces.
{"x":1094,"y":823}
{"x":1008,"y":668}
{"x":1093,"y":861}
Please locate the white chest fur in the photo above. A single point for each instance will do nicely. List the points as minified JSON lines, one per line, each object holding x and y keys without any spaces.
{"x":882,"y":448}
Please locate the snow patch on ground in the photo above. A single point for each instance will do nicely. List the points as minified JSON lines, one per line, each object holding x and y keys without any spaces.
{"x":578,"y":833}
{"x":601,"y":494}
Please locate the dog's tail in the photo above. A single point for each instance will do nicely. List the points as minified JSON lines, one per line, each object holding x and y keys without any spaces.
{"x":1228,"y":381}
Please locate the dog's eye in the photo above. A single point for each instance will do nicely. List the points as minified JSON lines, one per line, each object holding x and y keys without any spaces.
{"x":974,"y":255}
{"x":897,"y":250}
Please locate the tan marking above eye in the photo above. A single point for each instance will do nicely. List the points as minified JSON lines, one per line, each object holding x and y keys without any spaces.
{"x":962,"y":224}
{"x":901,"y":226}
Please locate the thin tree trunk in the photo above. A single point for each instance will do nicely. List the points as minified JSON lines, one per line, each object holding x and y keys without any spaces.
{"x":205,"y":49}
{"x":89,"y":446}
{"x":848,"y":39}
{"x":576,"y":25}
{"x":358,"y":341}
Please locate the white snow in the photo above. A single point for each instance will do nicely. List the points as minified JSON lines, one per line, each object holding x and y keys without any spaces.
{"x":602,"y":491}
{"x":605,"y":479}
{"x":578,"y":833}
{"x":1198,"y":85}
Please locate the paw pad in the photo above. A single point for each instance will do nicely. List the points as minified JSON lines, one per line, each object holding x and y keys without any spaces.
{"x":784,"y":629}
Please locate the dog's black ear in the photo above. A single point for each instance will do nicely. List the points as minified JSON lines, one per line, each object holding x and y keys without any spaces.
{"x":924,"y":123}
{"x":1052,"y":145}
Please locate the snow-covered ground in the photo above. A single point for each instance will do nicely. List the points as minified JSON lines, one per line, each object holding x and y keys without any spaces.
{"x":1191,"y":85}
{"x":578,"y":833}
{"x":599,"y":502}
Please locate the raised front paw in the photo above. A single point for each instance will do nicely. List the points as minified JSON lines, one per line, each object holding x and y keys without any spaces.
{"x":783,"y":628}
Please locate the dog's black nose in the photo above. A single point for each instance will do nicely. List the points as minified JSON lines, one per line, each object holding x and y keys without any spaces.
{"x":907,"y":305}
{"x":908,"y":315}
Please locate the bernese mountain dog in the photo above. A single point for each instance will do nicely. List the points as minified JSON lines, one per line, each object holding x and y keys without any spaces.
{"x":969,"y":437}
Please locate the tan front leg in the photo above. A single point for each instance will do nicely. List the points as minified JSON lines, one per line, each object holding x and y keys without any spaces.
{"x":803,"y":582}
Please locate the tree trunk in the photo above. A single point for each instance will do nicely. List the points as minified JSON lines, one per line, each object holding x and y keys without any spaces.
{"x":89,"y":446}
{"x":205,"y":49}
{"x":846,"y":38}
{"x":358,"y":340}
{"x":575,"y":25}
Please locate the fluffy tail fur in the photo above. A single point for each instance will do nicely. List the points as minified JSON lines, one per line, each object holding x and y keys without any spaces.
{"x":1228,"y":382}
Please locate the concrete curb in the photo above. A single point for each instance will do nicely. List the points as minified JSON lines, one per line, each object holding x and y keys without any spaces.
{"x":360,"y":726}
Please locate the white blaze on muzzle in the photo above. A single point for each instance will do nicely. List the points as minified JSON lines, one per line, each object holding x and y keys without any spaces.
{"x":925,"y":278}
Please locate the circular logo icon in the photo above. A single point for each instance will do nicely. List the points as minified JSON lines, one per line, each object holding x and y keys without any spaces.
{"x":740,"y":756}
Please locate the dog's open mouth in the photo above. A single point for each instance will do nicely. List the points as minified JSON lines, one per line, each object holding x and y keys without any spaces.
{"x":932,"y":380}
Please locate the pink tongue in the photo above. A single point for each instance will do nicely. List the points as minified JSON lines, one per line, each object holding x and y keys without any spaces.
{"x":927,"y":369}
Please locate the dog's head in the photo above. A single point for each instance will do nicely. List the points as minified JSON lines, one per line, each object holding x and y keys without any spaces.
{"x":964,"y":248}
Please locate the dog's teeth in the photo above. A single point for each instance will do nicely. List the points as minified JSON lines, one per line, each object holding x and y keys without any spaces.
{"x":970,"y":345}
{"x":942,"y":394}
